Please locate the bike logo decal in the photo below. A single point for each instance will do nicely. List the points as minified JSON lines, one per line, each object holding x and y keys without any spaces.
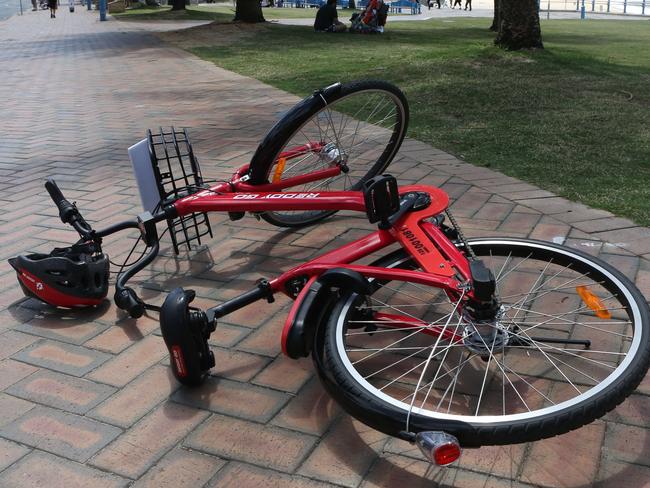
{"x":37,"y":284}
{"x":417,"y":244}
{"x":177,"y":357}
{"x":253,"y":196}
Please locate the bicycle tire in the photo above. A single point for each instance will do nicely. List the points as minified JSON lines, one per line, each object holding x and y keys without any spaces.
{"x":319,"y":116}
{"x":369,"y":404}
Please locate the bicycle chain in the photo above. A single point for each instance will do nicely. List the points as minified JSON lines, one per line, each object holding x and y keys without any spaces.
{"x":461,"y":236}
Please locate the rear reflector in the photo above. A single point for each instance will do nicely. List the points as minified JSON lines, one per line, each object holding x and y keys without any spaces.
{"x":446,"y":454}
{"x":439,"y":448}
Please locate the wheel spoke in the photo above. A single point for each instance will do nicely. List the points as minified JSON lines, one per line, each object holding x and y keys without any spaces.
{"x":408,"y":416}
{"x":569,"y":322}
{"x":553,"y":363}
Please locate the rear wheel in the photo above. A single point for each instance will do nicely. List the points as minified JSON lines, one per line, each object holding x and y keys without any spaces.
{"x":570,"y":342}
{"x":358,"y":128}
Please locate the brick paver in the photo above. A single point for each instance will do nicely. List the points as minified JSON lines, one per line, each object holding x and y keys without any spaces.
{"x":69,"y":393}
{"x":41,"y":469}
{"x":86,"y":397}
{"x":61,"y":433}
{"x":62,"y":357}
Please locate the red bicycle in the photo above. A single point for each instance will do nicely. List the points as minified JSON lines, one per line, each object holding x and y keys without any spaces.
{"x":444,"y":341}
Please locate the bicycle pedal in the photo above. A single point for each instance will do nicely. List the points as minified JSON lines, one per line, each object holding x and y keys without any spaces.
{"x":381,"y":197}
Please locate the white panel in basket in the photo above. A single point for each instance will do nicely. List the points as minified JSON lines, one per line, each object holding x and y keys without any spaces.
{"x":144,"y":175}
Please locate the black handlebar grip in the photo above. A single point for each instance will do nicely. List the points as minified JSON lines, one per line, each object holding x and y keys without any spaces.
{"x":66,"y":209}
{"x":128,"y":300}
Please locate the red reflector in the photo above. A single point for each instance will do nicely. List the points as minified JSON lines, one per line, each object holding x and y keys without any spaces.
{"x":446,"y":454}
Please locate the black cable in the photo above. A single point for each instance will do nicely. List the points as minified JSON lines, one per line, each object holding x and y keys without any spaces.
{"x":125,"y":264}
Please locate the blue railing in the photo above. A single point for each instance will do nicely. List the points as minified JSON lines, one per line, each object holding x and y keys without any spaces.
{"x":628,"y":7}
{"x":407,"y":5}
{"x":637,"y":7}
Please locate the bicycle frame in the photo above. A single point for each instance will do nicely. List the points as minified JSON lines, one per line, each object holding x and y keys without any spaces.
{"x":404,"y":223}
{"x":444,"y":266}
{"x":238,"y":196}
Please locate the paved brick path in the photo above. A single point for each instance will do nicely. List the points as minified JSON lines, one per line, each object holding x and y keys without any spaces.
{"x":87,"y":399}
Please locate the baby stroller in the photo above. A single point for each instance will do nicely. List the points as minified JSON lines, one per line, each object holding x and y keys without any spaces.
{"x":372,"y":20}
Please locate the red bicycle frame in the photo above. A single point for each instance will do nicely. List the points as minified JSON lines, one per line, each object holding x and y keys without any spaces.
{"x":443,"y":265}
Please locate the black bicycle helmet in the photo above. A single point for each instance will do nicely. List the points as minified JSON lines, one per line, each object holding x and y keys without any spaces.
{"x":75,"y":276}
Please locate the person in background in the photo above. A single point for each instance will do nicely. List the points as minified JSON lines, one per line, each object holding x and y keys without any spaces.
{"x":327,"y":19}
{"x":457,"y":2}
{"x":34,"y":6}
{"x":52,"y":5}
{"x":468,"y":3}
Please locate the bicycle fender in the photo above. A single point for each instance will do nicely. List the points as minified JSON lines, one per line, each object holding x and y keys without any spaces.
{"x":346,"y":278}
{"x":298,"y":114}
{"x":311,"y":306}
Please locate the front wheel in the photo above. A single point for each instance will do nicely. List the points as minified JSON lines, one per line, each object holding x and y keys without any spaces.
{"x":570,"y":342}
{"x":355,"y":129}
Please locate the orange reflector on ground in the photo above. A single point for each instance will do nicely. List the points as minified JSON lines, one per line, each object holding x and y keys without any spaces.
{"x":593,"y":302}
{"x":279,"y":168}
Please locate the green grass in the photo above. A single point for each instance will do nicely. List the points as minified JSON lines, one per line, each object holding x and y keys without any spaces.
{"x":573,"y":118}
{"x":219,"y":14}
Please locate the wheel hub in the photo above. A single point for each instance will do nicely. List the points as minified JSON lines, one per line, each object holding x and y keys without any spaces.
{"x":486,"y":337}
{"x":332,"y":154}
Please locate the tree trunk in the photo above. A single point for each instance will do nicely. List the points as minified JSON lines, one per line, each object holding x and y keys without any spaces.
{"x":519,"y":25}
{"x":497,"y":16}
{"x":248,"y":11}
{"x":178,"y":5}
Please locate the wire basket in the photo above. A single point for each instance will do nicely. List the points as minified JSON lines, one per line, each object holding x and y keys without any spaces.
{"x":178,"y":175}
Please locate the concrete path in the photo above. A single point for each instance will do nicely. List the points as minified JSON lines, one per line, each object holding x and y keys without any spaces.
{"x":86,"y":398}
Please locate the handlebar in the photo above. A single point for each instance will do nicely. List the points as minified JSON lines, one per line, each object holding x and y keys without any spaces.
{"x":125,"y":298}
{"x":68,"y":212}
